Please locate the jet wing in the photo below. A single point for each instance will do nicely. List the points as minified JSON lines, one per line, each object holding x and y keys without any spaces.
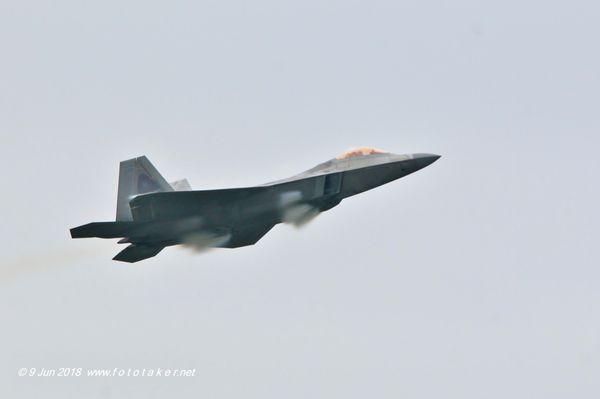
{"x":247,"y":235}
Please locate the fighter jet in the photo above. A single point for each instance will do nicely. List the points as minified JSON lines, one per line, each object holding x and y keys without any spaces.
{"x":153,"y":214}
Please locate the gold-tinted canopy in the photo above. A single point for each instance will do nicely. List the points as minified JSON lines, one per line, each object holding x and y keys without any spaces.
{"x":356,"y":152}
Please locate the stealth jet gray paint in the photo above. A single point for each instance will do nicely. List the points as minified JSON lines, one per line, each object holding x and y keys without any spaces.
{"x":153,"y":214}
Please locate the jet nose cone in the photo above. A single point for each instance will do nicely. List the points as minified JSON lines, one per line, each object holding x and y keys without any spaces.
{"x":423,"y":160}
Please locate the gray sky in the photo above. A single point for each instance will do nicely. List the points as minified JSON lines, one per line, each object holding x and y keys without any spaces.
{"x":476,"y":277}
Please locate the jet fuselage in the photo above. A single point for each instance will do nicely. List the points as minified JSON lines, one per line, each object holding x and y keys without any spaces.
{"x":231,"y":218}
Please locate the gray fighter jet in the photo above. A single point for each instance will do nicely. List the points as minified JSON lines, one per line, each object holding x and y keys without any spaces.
{"x":153,"y":214}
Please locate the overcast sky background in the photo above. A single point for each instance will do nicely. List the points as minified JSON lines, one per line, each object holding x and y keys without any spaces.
{"x":476,"y":277}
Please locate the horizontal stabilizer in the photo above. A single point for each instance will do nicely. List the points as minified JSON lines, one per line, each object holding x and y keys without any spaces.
{"x":134,"y":253}
{"x":106,"y":229}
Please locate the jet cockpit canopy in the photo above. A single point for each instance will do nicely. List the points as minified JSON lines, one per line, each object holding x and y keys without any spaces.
{"x":361,"y":151}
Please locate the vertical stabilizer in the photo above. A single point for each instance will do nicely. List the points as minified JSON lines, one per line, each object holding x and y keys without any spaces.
{"x":181,"y":185}
{"x":137,"y":176}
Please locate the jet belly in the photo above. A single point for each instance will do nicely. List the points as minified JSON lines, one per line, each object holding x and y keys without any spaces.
{"x":294,"y":202}
{"x":243,"y":214}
